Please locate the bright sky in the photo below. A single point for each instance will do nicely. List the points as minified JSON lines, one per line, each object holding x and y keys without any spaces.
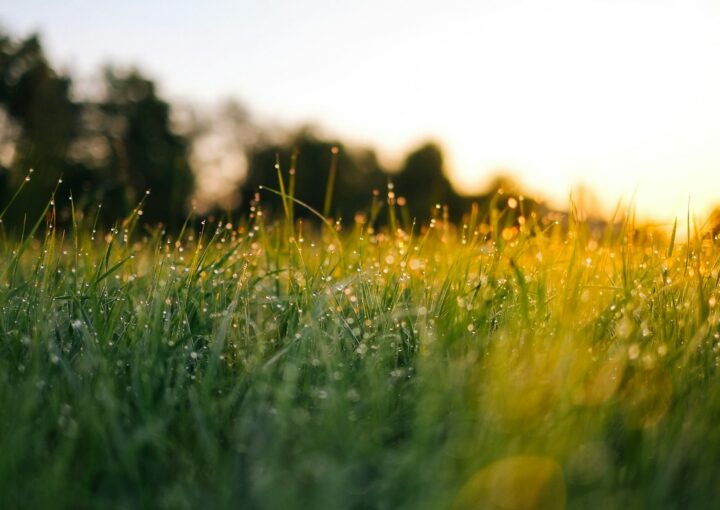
{"x":621,"y":95}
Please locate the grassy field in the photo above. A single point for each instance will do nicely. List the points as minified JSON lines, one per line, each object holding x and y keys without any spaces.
{"x":270,"y":364}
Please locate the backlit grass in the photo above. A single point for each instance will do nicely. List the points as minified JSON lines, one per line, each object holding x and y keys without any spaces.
{"x":273,"y":364}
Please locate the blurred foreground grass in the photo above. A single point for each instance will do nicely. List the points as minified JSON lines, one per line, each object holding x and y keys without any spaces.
{"x":271,"y":365}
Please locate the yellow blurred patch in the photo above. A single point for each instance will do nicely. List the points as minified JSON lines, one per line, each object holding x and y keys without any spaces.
{"x":525,"y":384}
{"x":515,"y":483}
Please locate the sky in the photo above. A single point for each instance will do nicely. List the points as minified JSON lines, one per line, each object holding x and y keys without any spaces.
{"x":619,"y":96}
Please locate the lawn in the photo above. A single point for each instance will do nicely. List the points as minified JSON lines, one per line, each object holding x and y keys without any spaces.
{"x":363,"y":363}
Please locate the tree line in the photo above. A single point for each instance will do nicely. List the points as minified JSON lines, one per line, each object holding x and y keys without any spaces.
{"x":113,"y":145}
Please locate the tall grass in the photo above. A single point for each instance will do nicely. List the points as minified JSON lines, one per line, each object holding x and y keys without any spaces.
{"x":271,"y":364}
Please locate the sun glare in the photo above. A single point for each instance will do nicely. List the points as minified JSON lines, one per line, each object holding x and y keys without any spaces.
{"x":588,"y":96}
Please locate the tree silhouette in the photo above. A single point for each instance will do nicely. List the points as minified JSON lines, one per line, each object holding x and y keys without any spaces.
{"x":111,"y":150}
{"x":38,"y":100}
{"x":422,"y":181}
{"x":145,"y":154}
{"x":358,"y":173}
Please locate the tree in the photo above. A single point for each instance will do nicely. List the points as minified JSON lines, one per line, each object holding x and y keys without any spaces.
{"x":144,"y":152}
{"x":357,"y":173}
{"x":422,"y":181}
{"x":38,"y":100}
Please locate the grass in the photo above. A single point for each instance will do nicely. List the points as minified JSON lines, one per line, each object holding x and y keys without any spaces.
{"x":270,"y":364}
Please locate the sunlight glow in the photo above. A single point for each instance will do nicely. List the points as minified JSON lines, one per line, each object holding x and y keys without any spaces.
{"x":622,"y":99}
